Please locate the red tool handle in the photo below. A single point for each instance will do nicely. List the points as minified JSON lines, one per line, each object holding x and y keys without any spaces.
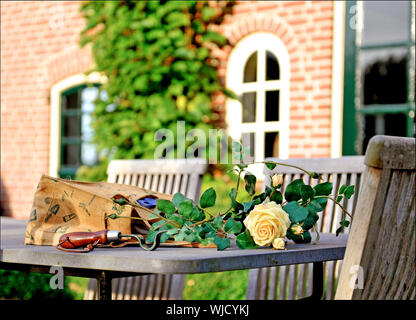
{"x":85,"y":240}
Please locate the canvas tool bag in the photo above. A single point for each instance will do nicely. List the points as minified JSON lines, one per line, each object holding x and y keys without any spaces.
{"x":61,"y":206}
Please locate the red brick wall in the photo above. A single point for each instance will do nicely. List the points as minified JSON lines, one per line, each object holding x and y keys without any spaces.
{"x":39,"y":46}
{"x":305,"y":27}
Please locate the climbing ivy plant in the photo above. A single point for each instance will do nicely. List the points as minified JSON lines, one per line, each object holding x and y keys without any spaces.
{"x":157,"y":57}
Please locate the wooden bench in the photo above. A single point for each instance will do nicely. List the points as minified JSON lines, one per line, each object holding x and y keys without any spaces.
{"x":379,"y":261}
{"x":166,"y":176}
{"x":295,"y":281}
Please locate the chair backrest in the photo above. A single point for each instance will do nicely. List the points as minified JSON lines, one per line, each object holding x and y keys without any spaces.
{"x":295,"y":281}
{"x":379,"y":261}
{"x":166,"y":176}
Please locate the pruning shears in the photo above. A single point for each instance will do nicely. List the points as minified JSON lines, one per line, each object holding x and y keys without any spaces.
{"x":87,"y":241}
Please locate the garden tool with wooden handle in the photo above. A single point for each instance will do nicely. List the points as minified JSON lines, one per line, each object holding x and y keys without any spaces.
{"x":87,"y":241}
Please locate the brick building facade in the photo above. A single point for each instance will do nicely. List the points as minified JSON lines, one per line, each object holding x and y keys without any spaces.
{"x":40,"y":51}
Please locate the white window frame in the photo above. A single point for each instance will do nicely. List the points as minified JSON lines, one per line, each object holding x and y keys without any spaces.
{"x":55,"y":113}
{"x":260,"y":42}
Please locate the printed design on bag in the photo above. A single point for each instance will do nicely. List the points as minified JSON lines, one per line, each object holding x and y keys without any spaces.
{"x":118,"y":209}
{"x":33,"y":216}
{"x":28,"y":235}
{"x":52,"y":211}
{"x":65,"y":194}
{"x":92,"y":199}
{"x":69,"y":217}
{"x":61,"y":229}
{"x":84,"y":207}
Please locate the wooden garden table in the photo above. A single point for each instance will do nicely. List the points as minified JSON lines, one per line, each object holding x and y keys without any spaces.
{"x":107,"y":263}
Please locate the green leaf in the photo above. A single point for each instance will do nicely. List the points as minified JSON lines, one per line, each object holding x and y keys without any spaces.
{"x":165,"y":206}
{"x":250,"y":180}
{"x":349,"y":191}
{"x":168,"y":234}
{"x":323,"y":189}
{"x":208,"y":13}
{"x":191,"y":237}
{"x":276,"y":196}
{"x":315,"y":175}
{"x":306,"y":192}
{"x":311,"y":218}
{"x":296,"y":212}
{"x":185,"y":208}
{"x":217,"y":223}
{"x":319,"y":203}
{"x":232,"y":226}
{"x":208,"y":228}
{"x":221,"y":243}
{"x":208,"y":198}
{"x":248,"y":205}
{"x":339,"y":198}
{"x":302,"y":238}
{"x":342,"y":189}
{"x":112,"y":216}
{"x":270,"y":165}
{"x":177,"y":199}
{"x":197,"y":215}
{"x":245,"y":241}
{"x":178,"y":219}
{"x":344,"y":224}
{"x":234,"y":204}
{"x":292,"y":192}
{"x":120,"y":201}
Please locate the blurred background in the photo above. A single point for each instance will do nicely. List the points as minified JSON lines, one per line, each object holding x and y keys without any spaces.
{"x":86,"y":82}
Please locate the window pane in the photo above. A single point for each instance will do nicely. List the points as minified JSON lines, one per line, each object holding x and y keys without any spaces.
{"x":88,"y":154}
{"x":395,"y":124}
{"x":250,"y":70}
{"x":384,"y":76}
{"x":86,"y":125}
{"x":272,"y":106}
{"x":70,"y":154}
{"x":89,"y":94}
{"x":272,"y":67}
{"x":70,"y":101}
{"x":389,"y":124}
{"x":271,"y":144}
{"x":386,"y":21}
{"x":71,"y":126}
{"x":248,"y":101}
{"x":248,"y":139}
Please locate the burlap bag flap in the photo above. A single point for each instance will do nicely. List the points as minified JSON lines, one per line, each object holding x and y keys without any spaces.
{"x":61,"y":206}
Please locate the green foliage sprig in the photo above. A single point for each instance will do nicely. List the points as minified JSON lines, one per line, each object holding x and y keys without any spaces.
{"x":157,"y":57}
{"x":184,"y":220}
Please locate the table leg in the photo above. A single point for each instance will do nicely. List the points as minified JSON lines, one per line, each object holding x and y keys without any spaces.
{"x":318,"y":282}
{"x":104,"y":286}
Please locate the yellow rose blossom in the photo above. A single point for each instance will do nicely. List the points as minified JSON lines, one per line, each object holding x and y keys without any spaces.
{"x":279,"y":243}
{"x":277,"y":179}
{"x":266,"y":222}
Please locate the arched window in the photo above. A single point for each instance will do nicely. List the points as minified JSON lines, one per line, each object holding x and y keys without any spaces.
{"x":72,"y":103}
{"x":258,"y":72}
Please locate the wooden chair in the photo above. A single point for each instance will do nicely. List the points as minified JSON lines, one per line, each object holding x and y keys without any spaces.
{"x":379,"y":261}
{"x":295,"y":281}
{"x":166,"y":176}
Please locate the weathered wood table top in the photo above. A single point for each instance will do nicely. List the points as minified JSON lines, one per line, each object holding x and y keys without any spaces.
{"x":164,"y":259}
